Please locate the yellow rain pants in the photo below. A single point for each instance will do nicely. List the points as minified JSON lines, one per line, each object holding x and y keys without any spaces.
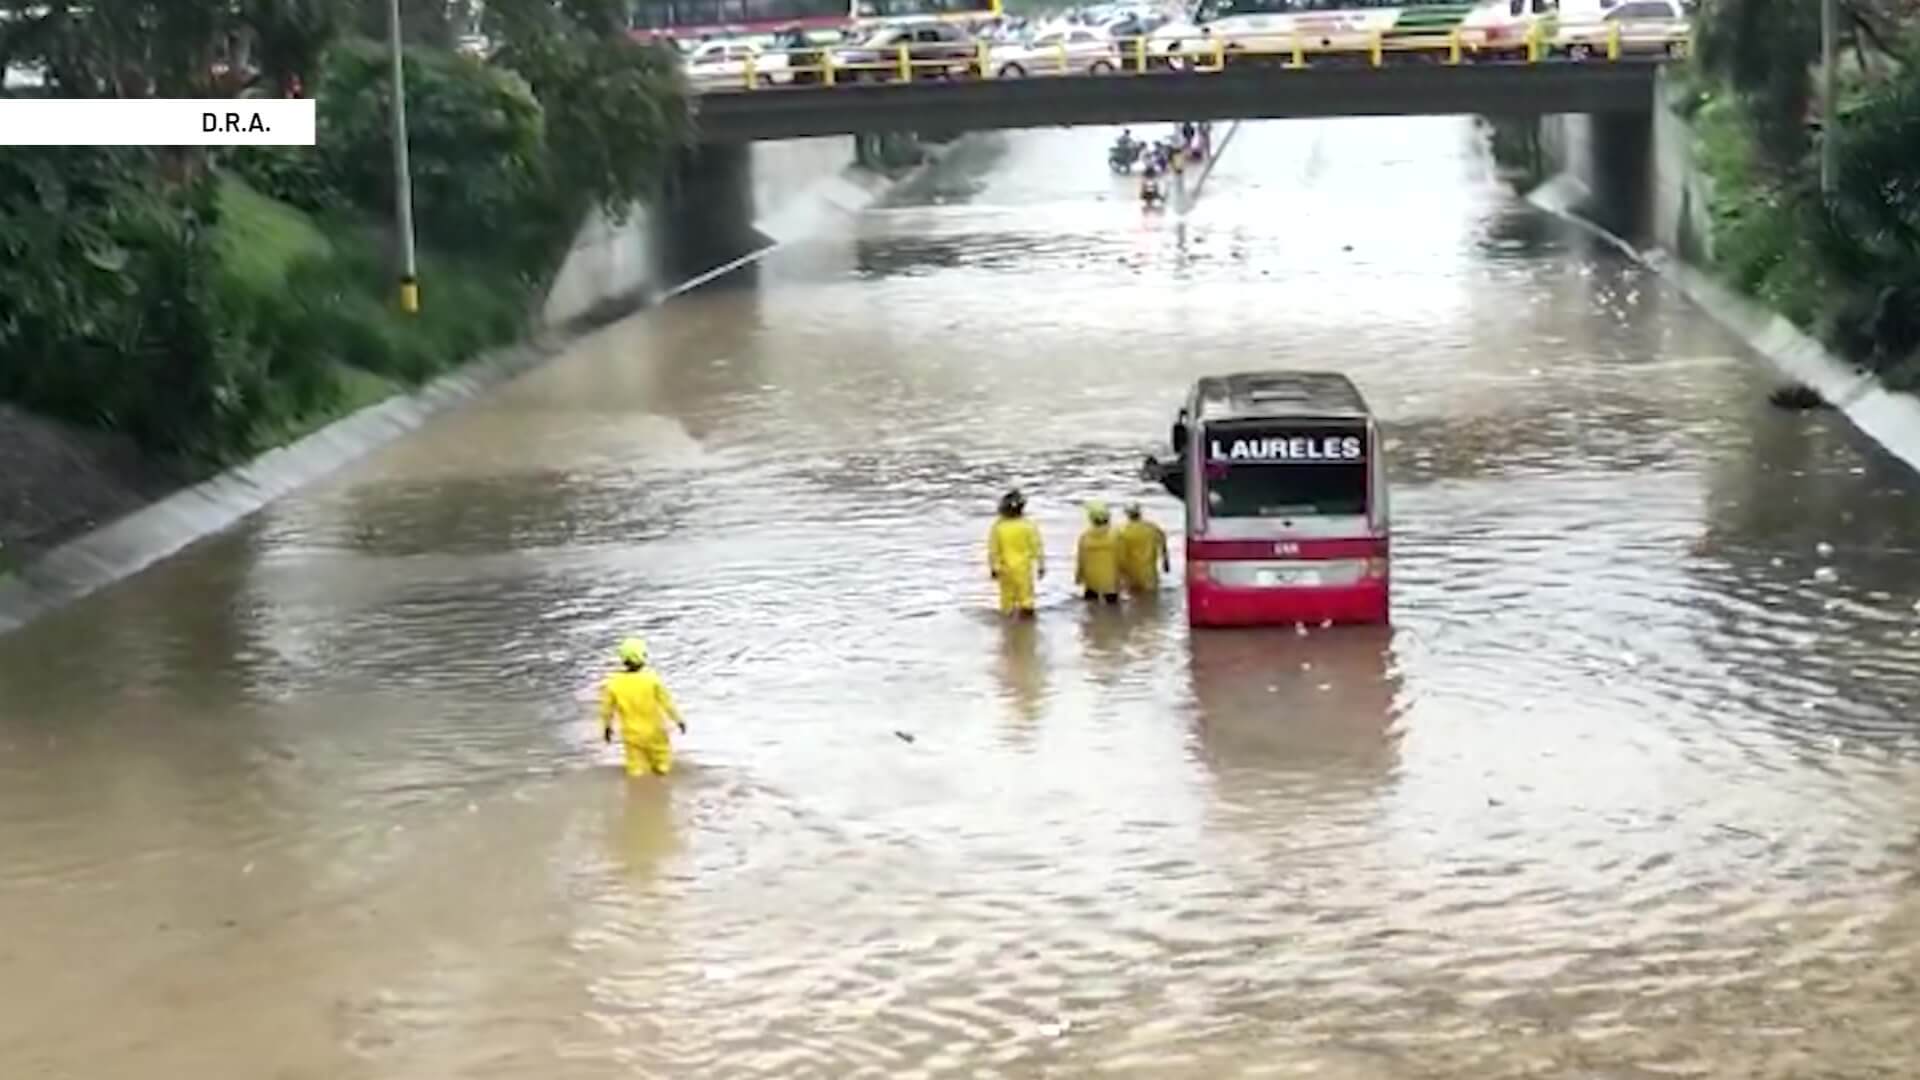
{"x":1014,"y":555}
{"x":650,"y":757}
{"x":644,"y":707}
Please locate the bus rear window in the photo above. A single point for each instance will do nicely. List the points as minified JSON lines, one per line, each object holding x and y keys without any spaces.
{"x":1261,"y":491}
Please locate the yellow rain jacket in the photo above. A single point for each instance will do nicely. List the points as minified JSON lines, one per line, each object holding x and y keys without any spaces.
{"x":1014,"y":555}
{"x":644,"y":707}
{"x":1098,"y":568}
{"x":1143,"y":552}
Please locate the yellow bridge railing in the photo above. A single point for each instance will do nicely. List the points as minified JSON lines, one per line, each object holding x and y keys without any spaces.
{"x":1540,"y":42}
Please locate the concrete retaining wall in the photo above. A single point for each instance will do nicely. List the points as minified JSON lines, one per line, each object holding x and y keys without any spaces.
{"x":798,"y":188}
{"x":1682,"y":197}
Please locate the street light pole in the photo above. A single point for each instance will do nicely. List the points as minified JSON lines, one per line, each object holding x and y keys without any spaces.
{"x":1829,"y":95}
{"x":402,"y":172}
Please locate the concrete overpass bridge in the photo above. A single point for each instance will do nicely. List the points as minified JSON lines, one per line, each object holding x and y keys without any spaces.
{"x":1251,"y":92}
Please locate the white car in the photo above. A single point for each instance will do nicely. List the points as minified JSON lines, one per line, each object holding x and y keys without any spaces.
{"x":725,"y":65}
{"x":1501,"y":29}
{"x":1073,"y":50}
{"x":1643,"y":26}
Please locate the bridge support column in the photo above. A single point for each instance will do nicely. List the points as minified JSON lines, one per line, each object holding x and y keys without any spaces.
{"x":1611,"y":155}
{"x":706,"y":219}
{"x":888,"y":151}
{"x":1623,"y":182}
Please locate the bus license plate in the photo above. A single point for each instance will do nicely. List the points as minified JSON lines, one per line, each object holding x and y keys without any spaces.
{"x":1277,"y":578}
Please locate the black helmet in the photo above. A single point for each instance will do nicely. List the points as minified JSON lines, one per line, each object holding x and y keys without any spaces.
{"x":1013,"y":502}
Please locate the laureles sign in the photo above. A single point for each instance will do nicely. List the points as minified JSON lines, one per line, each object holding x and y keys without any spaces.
{"x":1316,"y":449}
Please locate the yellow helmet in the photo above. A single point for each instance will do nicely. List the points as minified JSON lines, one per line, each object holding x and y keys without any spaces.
{"x":1097,"y":512}
{"x":633,"y":652}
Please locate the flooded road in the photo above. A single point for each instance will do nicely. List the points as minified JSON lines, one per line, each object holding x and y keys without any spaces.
{"x":1630,"y":790}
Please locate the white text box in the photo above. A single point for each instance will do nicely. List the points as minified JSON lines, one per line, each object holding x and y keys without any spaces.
{"x":156,"y":122}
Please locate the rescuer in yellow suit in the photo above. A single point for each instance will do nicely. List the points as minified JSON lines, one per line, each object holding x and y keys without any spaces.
{"x":1015,"y":555}
{"x":1143,"y":553}
{"x":636,"y":695}
{"x":1097,"y":567}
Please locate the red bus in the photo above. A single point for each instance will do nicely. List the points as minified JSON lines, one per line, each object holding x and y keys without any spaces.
{"x":1286,"y":499}
{"x":695,"y":20}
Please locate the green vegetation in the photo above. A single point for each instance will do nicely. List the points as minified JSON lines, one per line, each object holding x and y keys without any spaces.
{"x":210,"y":304}
{"x":1846,"y":265}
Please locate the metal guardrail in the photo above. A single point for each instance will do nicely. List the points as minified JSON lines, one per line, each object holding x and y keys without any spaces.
{"x":1575,"y":43}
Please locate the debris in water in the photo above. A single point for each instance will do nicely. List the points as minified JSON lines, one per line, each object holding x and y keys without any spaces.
{"x":903,"y":736}
{"x":1797,"y":396}
{"x":1057,"y":1028}
{"x":1823,"y":549}
{"x":1825,"y":573}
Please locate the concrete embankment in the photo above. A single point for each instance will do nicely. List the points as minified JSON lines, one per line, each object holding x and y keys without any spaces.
{"x":796,"y":189}
{"x":1637,"y":177}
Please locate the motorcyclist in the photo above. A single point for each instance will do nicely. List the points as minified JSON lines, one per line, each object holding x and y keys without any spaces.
{"x":1150,"y":182}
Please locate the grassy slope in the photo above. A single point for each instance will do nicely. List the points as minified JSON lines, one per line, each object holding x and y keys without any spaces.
{"x":1760,"y":238}
{"x":261,"y":239}
{"x":377,"y":351}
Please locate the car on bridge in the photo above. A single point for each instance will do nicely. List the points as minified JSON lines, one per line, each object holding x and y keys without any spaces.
{"x":734,"y":64}
{"x":1636,"y":27}
{"x":1065,"y":50}
{"x":1508,"y":29}
{"x":930,"y":50}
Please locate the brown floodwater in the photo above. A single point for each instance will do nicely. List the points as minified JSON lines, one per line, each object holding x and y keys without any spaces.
{"x":1631,"y":788}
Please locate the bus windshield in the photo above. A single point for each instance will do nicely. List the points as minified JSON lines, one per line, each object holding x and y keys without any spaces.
{"x":1261,"y":491}
{"x":1263,"y":469}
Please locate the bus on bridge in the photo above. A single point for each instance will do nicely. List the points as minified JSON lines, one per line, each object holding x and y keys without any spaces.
{"x":1286,"y":498}
{"x":698,"y":20}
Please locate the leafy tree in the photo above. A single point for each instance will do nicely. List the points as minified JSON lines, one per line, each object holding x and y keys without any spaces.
{"x":1870,"y":227}
{"x":120,"y":48}
{"x":1765,"y":50}
{"x":476,"y":141}
{"x":288,"y":37}
{"x":616,"y":110}
{"x":109,"y":308}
